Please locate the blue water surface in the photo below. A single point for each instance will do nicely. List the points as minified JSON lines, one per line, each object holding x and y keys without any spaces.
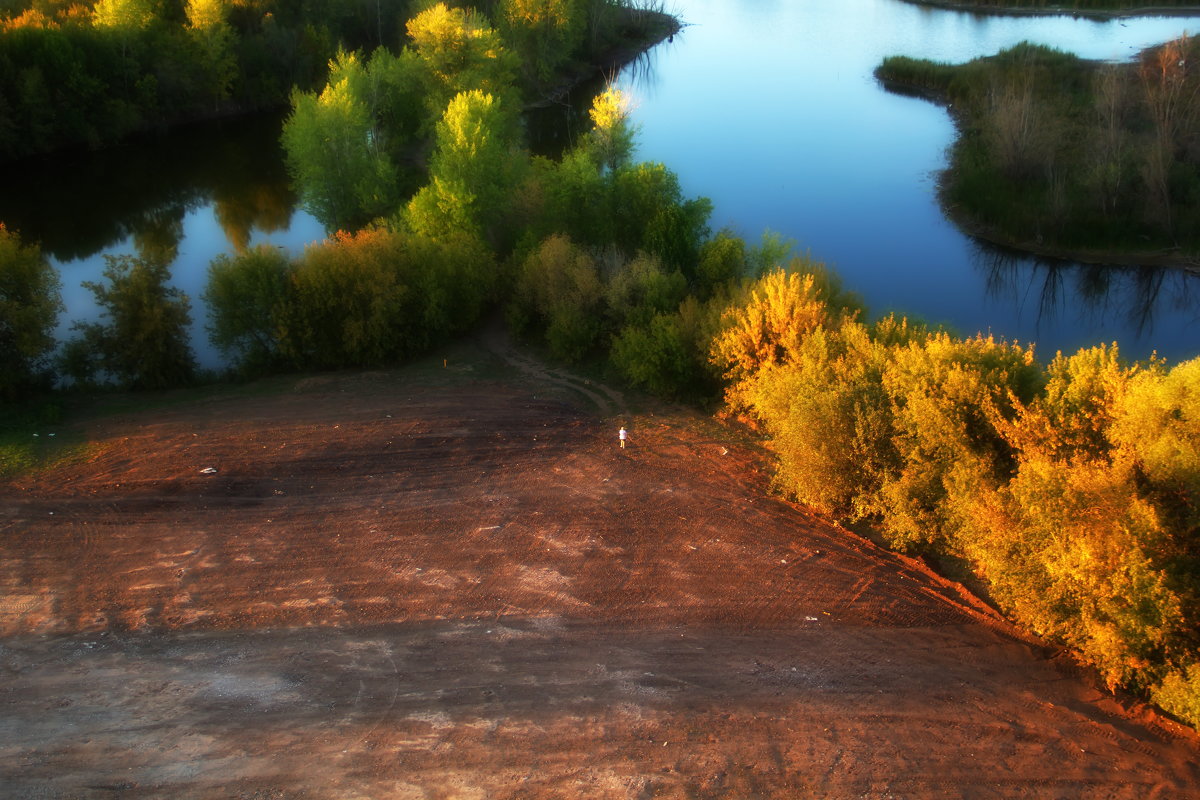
{"x":770,"y":109}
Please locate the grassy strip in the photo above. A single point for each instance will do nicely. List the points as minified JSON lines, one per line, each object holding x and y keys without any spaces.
{"x":32,"y":438}
{"x":1072,"y":158}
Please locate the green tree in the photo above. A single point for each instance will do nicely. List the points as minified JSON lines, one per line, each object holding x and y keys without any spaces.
{"x":476,"y":165}
{"x":544,"y":33}
{"x":559,"y":294}
{"x":640,"y":289}
{"x":214,"y":39}
{"x":647,"y":211}
{"x":30,"y":303}
{"x":461,"y":53}
{"x":722,"y":261}
{"x":611,"y":140}
{"x":335,"y":151}
{"x":144,"y":343}
{"x":248,"y":298}
{"x":654,"y":355}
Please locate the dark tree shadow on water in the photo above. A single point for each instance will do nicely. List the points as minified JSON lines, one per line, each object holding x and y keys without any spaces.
{"x":78,"y":203}
{"x":1059,"y":291}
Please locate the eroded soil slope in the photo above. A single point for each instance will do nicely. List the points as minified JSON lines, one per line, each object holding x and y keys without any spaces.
{"x":448,"y":581}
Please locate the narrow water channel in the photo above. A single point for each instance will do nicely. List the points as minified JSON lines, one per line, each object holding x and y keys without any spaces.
{"x":767,"y":107}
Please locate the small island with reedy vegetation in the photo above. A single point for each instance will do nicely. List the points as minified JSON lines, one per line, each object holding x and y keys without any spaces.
{"x":1066,"y":157}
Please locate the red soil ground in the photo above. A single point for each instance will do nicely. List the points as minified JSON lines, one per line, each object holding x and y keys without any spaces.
{"x":450,"y":582}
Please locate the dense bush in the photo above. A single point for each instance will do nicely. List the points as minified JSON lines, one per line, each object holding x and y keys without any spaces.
{"x":30,"y":303}
{"x":1072,"y":490}
{"x":365,"y":299}
{"x":248,"y":299}
{"x":559,"y":293}
{"x":144,"y":342}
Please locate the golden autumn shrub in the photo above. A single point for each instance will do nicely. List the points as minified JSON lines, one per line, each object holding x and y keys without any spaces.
{"x":1071,"y":490}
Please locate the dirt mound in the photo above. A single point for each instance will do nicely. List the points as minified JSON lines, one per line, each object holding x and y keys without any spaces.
{"x":449,"y":581}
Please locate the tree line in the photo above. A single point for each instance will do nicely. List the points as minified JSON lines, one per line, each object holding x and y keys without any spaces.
{"x":89,"y":73}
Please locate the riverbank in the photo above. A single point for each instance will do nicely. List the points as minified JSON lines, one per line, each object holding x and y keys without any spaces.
{"x":1018,"y":9}
{"x":1107,"y":258}
{"x":643,"y":29}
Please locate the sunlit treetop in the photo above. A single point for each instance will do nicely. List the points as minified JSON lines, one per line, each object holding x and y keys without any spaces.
{"x":206,"y":14}
{"x":555,"y":13}
{"x":30,"y":18}
{"x":610,"y":108}
{"x":450,"y":39}
{"x":459,"y":52}
{"x":613,"y":136}
{"x":124,"y":14}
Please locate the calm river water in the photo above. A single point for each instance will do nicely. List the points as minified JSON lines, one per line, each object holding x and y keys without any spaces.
{"x":767,"y":107}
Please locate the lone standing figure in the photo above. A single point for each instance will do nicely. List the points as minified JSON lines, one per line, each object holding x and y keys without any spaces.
{"x":622,"y":435}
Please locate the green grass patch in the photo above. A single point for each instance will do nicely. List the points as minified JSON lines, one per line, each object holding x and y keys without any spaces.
{"x":32,"y":439}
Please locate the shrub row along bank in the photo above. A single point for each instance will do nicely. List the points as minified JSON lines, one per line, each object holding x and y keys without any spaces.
{"x":90,"y":73}
{"x":1064,"y":156}
{"x":1072,"y":490}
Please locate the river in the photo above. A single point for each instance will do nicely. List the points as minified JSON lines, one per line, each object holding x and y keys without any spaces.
{"x":767,"y":107}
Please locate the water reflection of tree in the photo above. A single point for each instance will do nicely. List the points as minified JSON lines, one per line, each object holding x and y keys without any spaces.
{"x":158,"y":232}
{"x":266,"y":207}
{"x":1093,"y":292}
{"x":78,"y":204}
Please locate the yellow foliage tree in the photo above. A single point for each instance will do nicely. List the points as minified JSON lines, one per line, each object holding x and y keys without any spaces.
{"x":783,"y":307}
{"x":461,"y":52}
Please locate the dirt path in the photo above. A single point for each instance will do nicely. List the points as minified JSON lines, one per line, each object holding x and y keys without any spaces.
{"x":450,"y":583}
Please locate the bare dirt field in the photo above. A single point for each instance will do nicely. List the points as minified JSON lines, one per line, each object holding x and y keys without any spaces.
{"x":448,"y":581}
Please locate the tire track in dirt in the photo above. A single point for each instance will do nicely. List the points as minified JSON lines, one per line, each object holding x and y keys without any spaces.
{"x":607,"y":401}
{"x":533,"y":708}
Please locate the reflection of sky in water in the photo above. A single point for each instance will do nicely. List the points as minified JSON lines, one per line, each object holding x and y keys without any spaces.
{"x":770,"y":109}
{"x":203,"y":240}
